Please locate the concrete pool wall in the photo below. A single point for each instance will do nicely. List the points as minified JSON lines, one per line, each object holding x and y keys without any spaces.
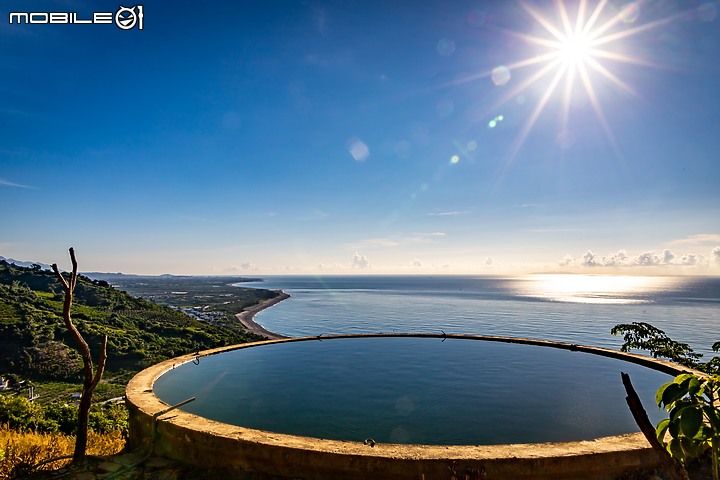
{"x":198,"y":441}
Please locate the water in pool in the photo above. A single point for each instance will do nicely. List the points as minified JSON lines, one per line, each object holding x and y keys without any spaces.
{"x":414,"y":390}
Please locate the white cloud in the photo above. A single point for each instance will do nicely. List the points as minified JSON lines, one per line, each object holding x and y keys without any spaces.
{"x":314,"y":215}
{"x":668,"y":256}
{"x":360,"y":261}
{"x":489,"y":261}
{"x":417,"y":263}
{"x":702,"y":238}
{"x":590,"y":259}
{"x":5,"y":183}
{"x":716,"y":254}
{"x":567,"y":261}
{"x":648,"y":258}
{"x":396,"y":240}
{"x":330,"y":266}
{"x":645,"y":259}
{"x":447,"y":214}
{"x":692,"y":259}
{"x":424,"y":237}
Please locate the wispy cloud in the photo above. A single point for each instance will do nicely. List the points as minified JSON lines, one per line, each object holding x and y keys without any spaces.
{"x":395,"y":240}
{"x":448,"y":214}
{"x":700,"y":239}
{"x":6,"y":183}
{"x":192,"y":218}
{"x":314,"y":215}
{"x":553,"y":230}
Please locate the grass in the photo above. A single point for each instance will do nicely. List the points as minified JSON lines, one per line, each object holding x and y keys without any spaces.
{"x":22,"y":452}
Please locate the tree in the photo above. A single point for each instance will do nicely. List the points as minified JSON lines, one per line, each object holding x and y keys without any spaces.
{"x":692,"y":399}
{"x":90,"y":379}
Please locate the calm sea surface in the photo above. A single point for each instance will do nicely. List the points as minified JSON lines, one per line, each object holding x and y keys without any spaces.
{"x":412,"y":390}
{"x":573,"y":308}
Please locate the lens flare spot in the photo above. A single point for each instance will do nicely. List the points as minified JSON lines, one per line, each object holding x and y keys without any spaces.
{"x":500,"y":75}
{"x":630,"y":12}
{"x":424,"y":187}
{"x":495,"y":121}
{"x":445,"y":46}
{"x":472,"y":145}
{"x":357,"y":148}
{"x":454,"y":159}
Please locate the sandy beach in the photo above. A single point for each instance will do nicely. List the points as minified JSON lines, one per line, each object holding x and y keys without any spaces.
{"x":247,"y":317}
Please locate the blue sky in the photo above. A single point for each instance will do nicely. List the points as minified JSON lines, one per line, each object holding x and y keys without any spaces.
{"x":364,"y":137}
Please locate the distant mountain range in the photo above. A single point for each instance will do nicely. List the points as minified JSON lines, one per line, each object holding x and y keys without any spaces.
{"x":19,"y":263}
{"x":115,"y":276}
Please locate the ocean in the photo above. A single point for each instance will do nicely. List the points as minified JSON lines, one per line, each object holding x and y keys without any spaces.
{"x":429,"y":391}
{"x":570,"y":308}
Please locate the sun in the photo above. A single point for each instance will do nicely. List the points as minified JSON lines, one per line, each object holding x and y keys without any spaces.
{"x":579,"y":47}
{"x":575,"y":50}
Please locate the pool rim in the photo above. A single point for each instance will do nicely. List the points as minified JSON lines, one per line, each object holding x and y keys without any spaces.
{"x":148,"y":420}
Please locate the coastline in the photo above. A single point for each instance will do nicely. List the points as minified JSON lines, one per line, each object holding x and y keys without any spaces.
{"x":247,"y":317}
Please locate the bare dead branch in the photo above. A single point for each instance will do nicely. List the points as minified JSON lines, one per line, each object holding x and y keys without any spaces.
{"x":101,"y":363}
{"x":90,"y":380}
{"x":674,"y":468}
{"x":73,"y":277}
{"x":60,"y":277}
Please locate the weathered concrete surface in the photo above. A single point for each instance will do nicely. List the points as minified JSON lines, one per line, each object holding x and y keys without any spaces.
{"x":206,"y":443}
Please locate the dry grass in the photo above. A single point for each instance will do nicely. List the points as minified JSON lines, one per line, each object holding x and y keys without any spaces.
{"x":23,"y":451}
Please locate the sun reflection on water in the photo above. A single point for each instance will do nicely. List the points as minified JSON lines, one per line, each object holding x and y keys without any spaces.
{"x":593,"y":289}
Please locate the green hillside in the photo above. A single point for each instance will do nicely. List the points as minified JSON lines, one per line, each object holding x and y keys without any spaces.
{"x":35,"y":345}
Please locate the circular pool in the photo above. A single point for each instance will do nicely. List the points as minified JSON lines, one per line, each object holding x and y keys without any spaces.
{"x":397,"y":405}
{"x":414,"y":390}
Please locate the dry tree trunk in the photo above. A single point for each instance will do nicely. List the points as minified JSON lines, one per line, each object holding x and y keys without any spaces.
{"x":90,"y":381}
{"x":673,"y":467}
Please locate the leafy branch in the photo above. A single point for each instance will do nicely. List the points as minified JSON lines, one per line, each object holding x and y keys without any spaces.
{"x":694,"y":417}
{"x":643,"y":336}
{"x":692,"y":400}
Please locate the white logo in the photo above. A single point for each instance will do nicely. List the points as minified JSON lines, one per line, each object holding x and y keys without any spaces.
{"x":126,"y":18}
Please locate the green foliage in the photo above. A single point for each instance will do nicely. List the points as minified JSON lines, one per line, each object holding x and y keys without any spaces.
{"x":694,"y":417}
{"x":692,"y":401}
{"x":23,"y":415}
{"x":59,"y":417}
{"x":644,"y":336}
{"x":35,"y":344}
{"x":109,"y":418}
